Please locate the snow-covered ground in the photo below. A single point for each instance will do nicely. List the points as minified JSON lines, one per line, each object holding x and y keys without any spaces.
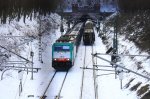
{"x":72,"y":86}
{"x":108,"y":86}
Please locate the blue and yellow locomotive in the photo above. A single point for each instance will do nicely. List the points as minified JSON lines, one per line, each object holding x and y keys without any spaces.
{"x":64,"y":50}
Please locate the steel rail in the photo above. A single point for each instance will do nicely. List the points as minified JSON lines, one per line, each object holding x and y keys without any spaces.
{"x":44,"y":94}
{"x":58,"y":96}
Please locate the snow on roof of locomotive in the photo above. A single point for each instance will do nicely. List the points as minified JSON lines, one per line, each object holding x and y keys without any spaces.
{"x":89,"y":22}
{"x":66,"y":38}
{"x":75,"y":30}
{"x":71,"y":35}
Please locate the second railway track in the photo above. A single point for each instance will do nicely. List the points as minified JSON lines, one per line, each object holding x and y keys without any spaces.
{"x":88,"y":75}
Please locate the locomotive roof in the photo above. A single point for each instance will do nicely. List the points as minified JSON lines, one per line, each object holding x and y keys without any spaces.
{"x":66,"y":38}
{"x":88,"y":24}
{"x":89,"y":21}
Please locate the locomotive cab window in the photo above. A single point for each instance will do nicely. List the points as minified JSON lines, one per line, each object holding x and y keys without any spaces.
{"x":61,"y":48}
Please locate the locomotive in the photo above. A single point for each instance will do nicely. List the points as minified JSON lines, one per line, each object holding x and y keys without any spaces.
{"x":64,"y":50}
{"x":88,"y":35}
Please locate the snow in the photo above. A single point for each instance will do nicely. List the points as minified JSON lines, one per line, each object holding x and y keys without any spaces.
{"x":108,"y":86}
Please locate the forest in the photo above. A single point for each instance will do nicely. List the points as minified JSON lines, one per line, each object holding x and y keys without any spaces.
{"x":11,"y":9}
{"x":133,"y":5}
{"x":28,"y":8}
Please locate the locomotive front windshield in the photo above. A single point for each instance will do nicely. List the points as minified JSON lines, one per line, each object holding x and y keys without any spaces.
{"x":61,"y":48}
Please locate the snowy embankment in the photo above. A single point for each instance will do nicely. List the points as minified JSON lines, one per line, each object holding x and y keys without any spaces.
{"x":136,"y":85}
{"x":10,"y":82}
{"x":108,"y":86}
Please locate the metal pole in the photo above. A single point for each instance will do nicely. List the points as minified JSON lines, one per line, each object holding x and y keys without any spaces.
{"x":115,"y":45}
{"x":32,"y":54}
{"x":20,"y":87}
{"x":123,"y":55}
{"x":40,"y":40}
{"x":97,"y":69}
{"x":105,"y":74}
{"x":121,"y":84}
{"x":19,"y":67}
{"x":19,"y":90}
{"x":116,"y":37}
{"x":4,"y":72}
{"x":40,"y":48}
{"x":61,"y":26}
{"x":20,"y":76}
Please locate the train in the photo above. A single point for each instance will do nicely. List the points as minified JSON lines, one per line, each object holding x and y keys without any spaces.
{"x":65,"y":49}
{"x":89,"y":35}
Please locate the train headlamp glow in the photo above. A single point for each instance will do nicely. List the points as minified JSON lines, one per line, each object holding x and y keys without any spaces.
{"x":68,"y":59}
{"x":55,"y":59}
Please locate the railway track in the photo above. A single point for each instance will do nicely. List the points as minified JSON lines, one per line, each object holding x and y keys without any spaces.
{"x":83,"y":74}
{"x":59,"y":93}
{"x":88,"y":75}
{"x":93,"y":73}
{"x":44,"y":94}
{"x":50,"y":82}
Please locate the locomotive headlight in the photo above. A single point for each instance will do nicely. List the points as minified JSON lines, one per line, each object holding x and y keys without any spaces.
{"x":55,"y":59}
{"x":68,"y":59}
